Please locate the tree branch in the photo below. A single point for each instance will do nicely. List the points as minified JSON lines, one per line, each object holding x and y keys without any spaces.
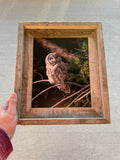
{"x":44,"y":80}
{"x":85,"y":104}
{"x":72,"y":83}
{"x":55,"y":48}
{"x":82,"y":97}
{"x":70,"y":96}
{"x":44,"y":91}
{"x":77,"y":97}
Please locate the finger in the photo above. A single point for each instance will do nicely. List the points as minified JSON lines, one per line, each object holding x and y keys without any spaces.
{"x":5,"y":104}
{"x":12,"y":104}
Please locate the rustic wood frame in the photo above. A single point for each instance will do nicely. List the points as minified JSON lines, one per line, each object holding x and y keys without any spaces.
{"x":99,"y":113}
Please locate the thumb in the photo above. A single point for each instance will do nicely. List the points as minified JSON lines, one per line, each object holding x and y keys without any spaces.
{"x":12,"y":104}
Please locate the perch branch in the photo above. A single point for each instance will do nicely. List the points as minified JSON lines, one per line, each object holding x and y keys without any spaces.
{"x":46,"y":80}
{"x":78,"y":97}
{"x":72,"y":83}
{"x":70,"y":96}
{"x":76,"y":84}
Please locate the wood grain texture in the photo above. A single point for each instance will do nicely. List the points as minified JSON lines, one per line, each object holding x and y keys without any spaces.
{"x":60,"y":25}
{"x":103,"y":74}
{"x":99,"y":113}
{"x":26,"y":95}
{"x":35,"y":121}
{"x":96,"y":98}
{"x":60,"y":33}
{"x":19,"y":61}
{"x":62,"y":113}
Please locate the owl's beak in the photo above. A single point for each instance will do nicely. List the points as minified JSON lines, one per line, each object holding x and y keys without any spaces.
{"x":54,"y":61}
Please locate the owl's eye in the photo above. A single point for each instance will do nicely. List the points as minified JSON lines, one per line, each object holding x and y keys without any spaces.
{"x":51,"y":58}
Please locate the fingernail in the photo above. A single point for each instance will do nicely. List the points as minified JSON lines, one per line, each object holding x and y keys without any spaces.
{"x":13,"y":95}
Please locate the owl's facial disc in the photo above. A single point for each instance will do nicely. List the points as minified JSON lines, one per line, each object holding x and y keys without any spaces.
{"x":52,"y":60}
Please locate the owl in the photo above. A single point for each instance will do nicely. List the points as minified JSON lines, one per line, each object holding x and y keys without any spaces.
{"x":56,"y":71}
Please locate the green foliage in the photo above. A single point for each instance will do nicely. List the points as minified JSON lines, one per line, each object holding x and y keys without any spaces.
{"x":78,"y":69}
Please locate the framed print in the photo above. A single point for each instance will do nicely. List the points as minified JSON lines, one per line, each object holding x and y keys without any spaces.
{"x":61,"y":73}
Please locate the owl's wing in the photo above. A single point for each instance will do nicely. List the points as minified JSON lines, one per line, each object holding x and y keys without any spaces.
{"x":64,"y":70}
{"x":60,"y":74}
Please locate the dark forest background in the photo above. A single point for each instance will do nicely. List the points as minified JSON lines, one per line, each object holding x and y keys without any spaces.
{"x":78,"y":72}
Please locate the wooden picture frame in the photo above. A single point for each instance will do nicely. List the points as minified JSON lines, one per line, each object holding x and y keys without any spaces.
{"x":99,"y":113}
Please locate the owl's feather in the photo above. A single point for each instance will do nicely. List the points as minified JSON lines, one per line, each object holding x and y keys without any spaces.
{"x":56,"y":71}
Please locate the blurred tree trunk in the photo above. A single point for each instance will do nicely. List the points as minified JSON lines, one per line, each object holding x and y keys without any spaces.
{"x":55,"y":48}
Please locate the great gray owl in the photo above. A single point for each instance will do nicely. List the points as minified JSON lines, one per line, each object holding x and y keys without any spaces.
{"x":56,"y":71}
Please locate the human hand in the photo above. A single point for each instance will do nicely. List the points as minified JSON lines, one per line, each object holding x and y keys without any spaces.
{"x":8,"y":115}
